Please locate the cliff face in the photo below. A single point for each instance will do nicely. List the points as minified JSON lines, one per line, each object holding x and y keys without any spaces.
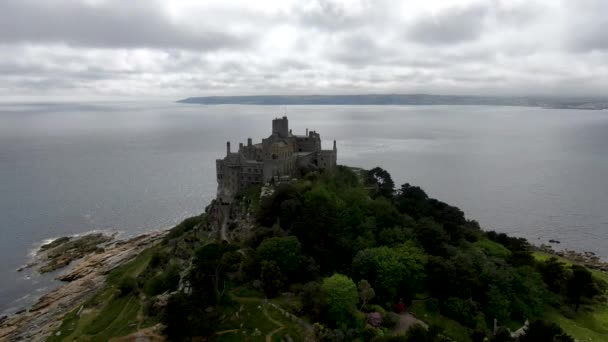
{"x":231,"y":222}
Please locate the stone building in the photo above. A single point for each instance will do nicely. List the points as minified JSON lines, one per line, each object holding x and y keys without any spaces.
{"x":282,"y":155}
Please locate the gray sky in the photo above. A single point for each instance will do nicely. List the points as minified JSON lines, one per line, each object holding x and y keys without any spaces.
{"x":193,"y":48}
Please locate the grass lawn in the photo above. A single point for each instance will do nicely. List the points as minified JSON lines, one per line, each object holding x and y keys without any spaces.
{"x":116,"y":317}
{"x":291,"y":328}
{"x":107,"y":315}
{"x":586,"y":326}
{"x":132,"y":268}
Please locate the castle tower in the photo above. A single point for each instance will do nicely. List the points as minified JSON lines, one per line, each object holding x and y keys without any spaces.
{"x":280,"y":127}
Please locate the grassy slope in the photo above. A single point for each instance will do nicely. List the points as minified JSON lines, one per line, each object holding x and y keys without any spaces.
{"x":542,"y":256}
{"x":590,"y":324}
{"x":107,"y":315}
{"x":450,"y":327}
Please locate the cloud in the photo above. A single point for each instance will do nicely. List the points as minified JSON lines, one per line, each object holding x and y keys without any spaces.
{"x":124,"y":24}
{"x":587,"y":31}
{"x":216,"y":47}
{"x":449,"y":26}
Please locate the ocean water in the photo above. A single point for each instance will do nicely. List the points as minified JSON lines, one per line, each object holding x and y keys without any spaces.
{"x":70,"y":168}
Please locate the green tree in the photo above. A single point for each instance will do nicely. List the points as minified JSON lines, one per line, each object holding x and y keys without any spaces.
{"x":383,"y":182}
{"x":579,"y":285}
{"x":272,"y":278}
{"x":282,"y":206}
{"x":285,"y":252}
{"x":431,"y":236}
{"x":207,"y":276}
{"x":311,"y":297}
{"x":340,"y":297}
{"x":554,"y":274}
{"x":382,"y":268}
{"x":366,"y":292}
{"x":394,"y":235}
{"x":412,"y":200}
{"x":391,"y":271}
{"x":498,"y":304}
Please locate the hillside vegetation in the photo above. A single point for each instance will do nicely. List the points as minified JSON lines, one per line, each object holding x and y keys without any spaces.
{"x":346,"y":256}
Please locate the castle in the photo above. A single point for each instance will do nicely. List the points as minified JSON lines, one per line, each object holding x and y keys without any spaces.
{"x":281,"y":156}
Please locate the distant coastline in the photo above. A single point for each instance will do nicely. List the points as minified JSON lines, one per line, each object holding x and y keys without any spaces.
{"x":586,"y":103}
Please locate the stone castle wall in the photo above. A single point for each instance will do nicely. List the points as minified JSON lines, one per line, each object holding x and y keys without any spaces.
{"x":280,"y":155}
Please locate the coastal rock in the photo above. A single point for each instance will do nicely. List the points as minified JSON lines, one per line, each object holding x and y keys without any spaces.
{"x":62,"y":251}
{"x":86,"y":278}
{"x":55,"y":243}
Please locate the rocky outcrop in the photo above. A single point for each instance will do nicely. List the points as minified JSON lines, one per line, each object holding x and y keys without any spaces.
{"x":61,"y":252}
{"x":231,"y":222}
{"x":83,"y":281}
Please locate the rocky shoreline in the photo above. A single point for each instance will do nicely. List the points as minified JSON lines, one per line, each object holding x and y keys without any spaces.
{"x":61,"y":252}
{"x":587,"y":259}
{"x":83,"y":280}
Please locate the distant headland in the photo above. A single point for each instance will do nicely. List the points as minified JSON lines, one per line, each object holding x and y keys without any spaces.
{"x":590,"y":103}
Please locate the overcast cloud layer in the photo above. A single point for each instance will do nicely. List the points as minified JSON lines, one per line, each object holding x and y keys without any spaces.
{"x":226,"y":47}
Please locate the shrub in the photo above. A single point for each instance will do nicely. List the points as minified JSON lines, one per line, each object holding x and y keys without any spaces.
{"x":463,"y":311}
{"x":127,"y":285}
{"x":390,"y":320}
{"x":432,"y":305}
{"x":166,"y":281}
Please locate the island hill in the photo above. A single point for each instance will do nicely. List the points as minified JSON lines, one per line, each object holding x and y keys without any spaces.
{"x":316,"y":253}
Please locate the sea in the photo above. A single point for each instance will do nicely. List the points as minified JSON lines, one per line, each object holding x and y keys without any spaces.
{"x":68,"y":168}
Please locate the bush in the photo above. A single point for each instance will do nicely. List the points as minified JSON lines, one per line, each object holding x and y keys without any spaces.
{"x":166,"y":281}
{"x":432,"y":305}
{"x":185,"y":226}
{"x":390,"y":320}
{"x":158,"y":259}
{"x":462,"y":311}
{"x":374,"y":308}
{"x":127,"y":285}
{"x":416,"y":333}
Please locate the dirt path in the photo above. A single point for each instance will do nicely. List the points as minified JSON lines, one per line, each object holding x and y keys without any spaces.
{"x":280,"y":326}
{"x":270,"y":334}
{"x":406,"y":321}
